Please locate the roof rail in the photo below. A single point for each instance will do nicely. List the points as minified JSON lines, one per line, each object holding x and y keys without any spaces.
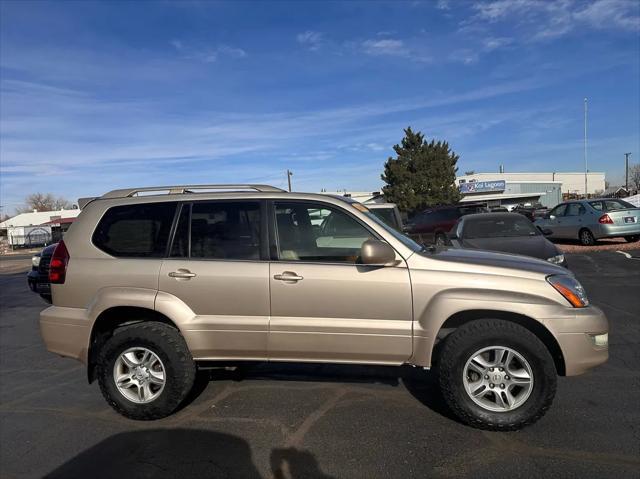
{"x":181,"y":189}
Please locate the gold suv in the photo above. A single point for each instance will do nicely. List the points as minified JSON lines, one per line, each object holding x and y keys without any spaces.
{"x":150,"y":282}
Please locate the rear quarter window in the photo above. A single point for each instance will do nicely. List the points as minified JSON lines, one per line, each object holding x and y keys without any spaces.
{"x":138,"y":231}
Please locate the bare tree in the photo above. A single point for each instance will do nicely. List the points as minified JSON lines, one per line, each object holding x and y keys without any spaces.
{"x":43,"y":202}
{"x":634,"y":176}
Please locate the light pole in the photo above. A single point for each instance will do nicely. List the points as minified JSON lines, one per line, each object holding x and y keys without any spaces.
{"x":626,"y":171}
{"x":585,"y":148}
{"x":289,"y":175}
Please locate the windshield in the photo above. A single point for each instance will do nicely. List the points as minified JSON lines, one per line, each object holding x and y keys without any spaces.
{"x":517,"y":225}
{"x":405,"y":240}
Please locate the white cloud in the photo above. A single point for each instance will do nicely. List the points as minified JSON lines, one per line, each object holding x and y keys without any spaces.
{"x":543,"y":20}
{"x":493,"y":43}
{"x":443,"y":5}
{"x":310,"y":39}
{"x":206,"y":54}
{"x":386,"y":46}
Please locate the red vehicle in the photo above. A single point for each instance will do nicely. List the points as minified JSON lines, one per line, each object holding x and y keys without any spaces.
{"x":433,"y":224}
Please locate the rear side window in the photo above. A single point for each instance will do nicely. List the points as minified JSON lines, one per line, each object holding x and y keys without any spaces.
{"x":225,"y":230}
{"x":137,"y":231}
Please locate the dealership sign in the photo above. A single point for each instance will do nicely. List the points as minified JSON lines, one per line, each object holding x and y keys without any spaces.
{"x":482,"y":186}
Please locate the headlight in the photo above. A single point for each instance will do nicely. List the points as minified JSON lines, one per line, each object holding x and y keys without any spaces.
{"x":558,"y":259}
{"x":35,"y":261}
{"x":570,"y":288}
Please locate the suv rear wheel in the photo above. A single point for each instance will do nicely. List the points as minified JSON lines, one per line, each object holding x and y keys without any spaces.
{"x":496,"y":375}
{"x":145,"y":370}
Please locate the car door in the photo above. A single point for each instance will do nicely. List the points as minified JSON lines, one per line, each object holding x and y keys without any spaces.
{"x":324,"y":305}
{"x":555,"y":221}
{"x":219,"y":270}
{"x":572,"y":221}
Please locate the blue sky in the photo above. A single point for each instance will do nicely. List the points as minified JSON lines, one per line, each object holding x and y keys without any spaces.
{"x":96,"y":96}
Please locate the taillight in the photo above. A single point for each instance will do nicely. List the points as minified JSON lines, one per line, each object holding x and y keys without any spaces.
{"x":58,"y":264}
{"x":605,"y":219}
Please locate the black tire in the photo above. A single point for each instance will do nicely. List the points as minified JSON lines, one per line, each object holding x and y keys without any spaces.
{"x":632,"y":239}
{"x":166,"y":343}
{"x":586,"y":237}
{"x":459,"y":347}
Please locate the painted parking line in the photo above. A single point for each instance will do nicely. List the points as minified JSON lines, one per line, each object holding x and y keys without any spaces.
{"x":628,"y":255}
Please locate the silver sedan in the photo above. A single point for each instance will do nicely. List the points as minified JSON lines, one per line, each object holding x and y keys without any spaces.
{"x":592,"y":219}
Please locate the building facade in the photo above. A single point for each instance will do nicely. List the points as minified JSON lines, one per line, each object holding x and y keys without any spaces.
{"x":572,"y":182}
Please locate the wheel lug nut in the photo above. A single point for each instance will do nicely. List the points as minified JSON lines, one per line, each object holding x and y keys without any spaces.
{"x":507,"y":378}
{"x":491,"y":369}
{"x":491,"y":385}
{"x":486,"y":376}
{"x":502,"y":386}
{"x":501,"y":369}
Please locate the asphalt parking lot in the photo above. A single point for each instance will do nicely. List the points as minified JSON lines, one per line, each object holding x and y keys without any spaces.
{"x":305,"y":421}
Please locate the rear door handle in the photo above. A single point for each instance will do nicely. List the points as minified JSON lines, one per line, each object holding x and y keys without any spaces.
{"x":287,"y":276}
{"x":182,"y":274}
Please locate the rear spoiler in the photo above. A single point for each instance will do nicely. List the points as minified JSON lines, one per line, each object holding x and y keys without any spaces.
{"x":82,"y":202}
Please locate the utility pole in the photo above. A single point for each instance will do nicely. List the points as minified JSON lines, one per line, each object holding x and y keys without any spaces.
{"x":585,"y":148}
{"x":289,"y":175}
{"x":626,"y":171}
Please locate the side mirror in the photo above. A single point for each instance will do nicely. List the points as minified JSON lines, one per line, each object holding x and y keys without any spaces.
{"x":375,"y":252}
{"x":546,"y":232}
{"x":452,"y":236}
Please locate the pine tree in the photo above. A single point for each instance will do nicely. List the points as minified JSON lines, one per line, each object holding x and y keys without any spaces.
{"x":423,"y":174}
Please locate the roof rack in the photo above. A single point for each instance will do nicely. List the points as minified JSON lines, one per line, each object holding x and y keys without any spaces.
{"x":182,"y":189}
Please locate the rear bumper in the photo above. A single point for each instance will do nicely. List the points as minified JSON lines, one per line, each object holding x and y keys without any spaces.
{"x":611,"y":231}
{"x":66,"y":331}
{"x":577,"y":339}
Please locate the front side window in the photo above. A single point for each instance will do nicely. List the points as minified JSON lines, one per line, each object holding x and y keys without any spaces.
{"x":337,"y":238}
{"x":138,"y":230}
{"x":558,"y":210}
{"x":574,"y":209}
{"x":225,"y":230}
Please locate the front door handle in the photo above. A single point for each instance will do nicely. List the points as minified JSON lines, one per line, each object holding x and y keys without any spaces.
{"x":182,"y":274}
{"x":287,"y":276}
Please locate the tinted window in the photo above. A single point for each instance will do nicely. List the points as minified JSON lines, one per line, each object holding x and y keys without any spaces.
{"x":135,"y":230}
{"x":597,"y":205}
{"x":516,"y":225}
{"x":574,"y":209}
{"x":225,"y":230}
{"x":612,"y":205}
{"x":387,"y":215}
{"x":337,"y":239}
{"x":558,"y":210}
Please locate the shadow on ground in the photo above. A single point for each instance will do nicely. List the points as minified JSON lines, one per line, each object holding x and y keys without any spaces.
{"x":171,"y":453}
{"x":421,"y":384}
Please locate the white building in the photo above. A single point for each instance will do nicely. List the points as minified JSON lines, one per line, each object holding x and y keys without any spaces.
{"x":572,"y":182}
{"x":37,"y":218}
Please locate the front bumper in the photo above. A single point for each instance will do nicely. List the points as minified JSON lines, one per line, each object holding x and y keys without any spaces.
{"x":66,"y":331}
{"x":577,"y":339}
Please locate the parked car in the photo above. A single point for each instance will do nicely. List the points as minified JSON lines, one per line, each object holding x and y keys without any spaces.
{"x":146,"y":286}
{"x":506,"y":232}
{"x":432,"y":225}
{"x":387,"y":212}
{"x":38,"y":276}
{"x":593,"y":219}
{"x":532,"y":211}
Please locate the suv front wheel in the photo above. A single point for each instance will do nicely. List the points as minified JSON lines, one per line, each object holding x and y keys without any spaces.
{"x":145,"y":370}
{"x":496,"y":375}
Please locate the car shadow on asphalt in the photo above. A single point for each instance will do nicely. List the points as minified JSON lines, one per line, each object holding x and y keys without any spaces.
{"x":421,"y":384}
{"x":185,"y":453}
